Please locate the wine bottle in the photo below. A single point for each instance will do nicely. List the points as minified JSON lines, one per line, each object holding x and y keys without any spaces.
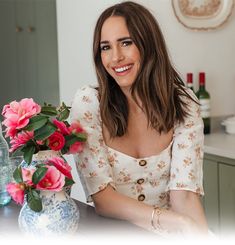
{"x":190,"y":81}
{"x":204,"y":99}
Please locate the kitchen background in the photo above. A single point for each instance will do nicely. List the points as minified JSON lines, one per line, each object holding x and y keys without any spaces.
{"x":46,"y":53}
{"x":191,"y":51}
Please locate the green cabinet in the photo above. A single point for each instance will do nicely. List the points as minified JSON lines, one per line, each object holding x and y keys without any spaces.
{"x":219,"y":187}
{"x":227,"y":197}
{"x":211,"y":198}
{"x":28,"y":48}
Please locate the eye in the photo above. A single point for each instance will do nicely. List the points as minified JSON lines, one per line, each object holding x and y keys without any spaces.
{"x":104,"y":47}
{"x":127,"y":43}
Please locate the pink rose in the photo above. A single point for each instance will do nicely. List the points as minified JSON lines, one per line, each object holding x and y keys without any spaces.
{"x":20,"y":140}
{"x":77,"y":147}
{"x":61,"y":126}
{"x":62,"y":166}
{"x":53,"y":180}
{"x":17,"y":115}
{"x":16,"y":191}
{"x":56,"y":141}
{"x":27,"y":175}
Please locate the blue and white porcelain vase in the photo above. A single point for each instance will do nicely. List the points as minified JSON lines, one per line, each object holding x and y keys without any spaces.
{"x":59,"y":215}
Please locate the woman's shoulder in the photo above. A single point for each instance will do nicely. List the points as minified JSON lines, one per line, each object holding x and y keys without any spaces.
{"x":86,"y":96}
{"x":85,"y":101}
{"x":193,"y":116}
{"x":192,"y":94}
{"x":86,"y":93}
{"x":190,"y":99}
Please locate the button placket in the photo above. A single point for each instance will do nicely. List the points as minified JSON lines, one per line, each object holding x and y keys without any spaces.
{"x":141,"y":197}
{"x":142,"y":163}
{"x":140,"y":181}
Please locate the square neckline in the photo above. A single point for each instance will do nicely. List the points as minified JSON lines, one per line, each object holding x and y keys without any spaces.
{"x":140,"y":158}
{"x":122,"y":153}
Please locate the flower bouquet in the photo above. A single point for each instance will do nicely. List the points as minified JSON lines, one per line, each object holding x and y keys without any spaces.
{"x":33,"y":128}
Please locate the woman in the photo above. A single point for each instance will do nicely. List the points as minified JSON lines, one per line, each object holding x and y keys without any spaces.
{"x":143,"y":158}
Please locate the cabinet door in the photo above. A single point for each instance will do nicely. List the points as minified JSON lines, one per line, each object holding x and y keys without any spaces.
{"x":8,"y":58}
{"x":37,"y":50}
{"x":211,"y":200}
{"x":47,"y":51}
{"x":26,"y":49}
{"x":28,"y":57}
{"x":227,"y":198}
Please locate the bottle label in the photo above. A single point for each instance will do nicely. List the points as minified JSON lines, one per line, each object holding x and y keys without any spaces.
{"x":205,"y":108}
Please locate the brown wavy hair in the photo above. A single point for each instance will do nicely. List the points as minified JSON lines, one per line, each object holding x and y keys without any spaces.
{"x":158,"y":85}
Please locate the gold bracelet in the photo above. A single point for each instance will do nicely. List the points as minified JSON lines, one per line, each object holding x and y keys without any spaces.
{"x":158,"y":211}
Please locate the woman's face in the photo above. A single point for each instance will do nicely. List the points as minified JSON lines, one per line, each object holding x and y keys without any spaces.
{"x":119,"y":54}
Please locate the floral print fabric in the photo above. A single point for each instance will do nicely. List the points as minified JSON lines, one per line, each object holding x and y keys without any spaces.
{"x":178,"y":167}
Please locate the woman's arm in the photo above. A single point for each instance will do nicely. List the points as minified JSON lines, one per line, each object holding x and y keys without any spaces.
{"x":110,"y":203}
{"x":188,"y":203}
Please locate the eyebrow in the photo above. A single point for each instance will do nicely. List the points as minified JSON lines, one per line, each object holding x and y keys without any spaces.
{"x":119,"y":40}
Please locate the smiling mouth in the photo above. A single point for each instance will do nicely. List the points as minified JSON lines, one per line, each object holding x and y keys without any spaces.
{"x":122,"y":69}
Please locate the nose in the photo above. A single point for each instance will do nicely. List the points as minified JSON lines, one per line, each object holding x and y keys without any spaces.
{"x":117,"y":54}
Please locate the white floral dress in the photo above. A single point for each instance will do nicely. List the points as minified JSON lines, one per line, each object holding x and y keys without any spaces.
{"x":148,"y":179}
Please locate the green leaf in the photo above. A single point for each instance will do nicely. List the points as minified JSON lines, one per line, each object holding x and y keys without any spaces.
{"x":64,"y":105}
{"x":68,"y":182}
{"x":70,"y":139}
{"x":49,"y":110}
{"x":27,"y":145}
{"x":63,"y":115}
{"x":44,"y":132}
{"x":36,"y":122}
{"x":81,"y":137}
{"x":28,"y":153}
{"x":41,"y":165}
{"x":39,"y":174}
{"x":64,"y":150}
{"x":17,"y":175}
{"x":15,"y":153}
{"x":34,"y":201}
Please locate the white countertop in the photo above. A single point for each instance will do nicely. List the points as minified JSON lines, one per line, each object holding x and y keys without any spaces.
{"x":220,"y":143}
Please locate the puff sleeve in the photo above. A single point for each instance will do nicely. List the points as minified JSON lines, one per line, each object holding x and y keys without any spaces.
{"x":187,"y":152}
{"x":92,"y":164}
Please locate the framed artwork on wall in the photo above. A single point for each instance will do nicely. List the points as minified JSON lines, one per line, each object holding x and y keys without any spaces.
{"x":202,"y":14}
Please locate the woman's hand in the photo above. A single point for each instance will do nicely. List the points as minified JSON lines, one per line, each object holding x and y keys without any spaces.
{"x":188,"y":226}
{"x":188,"y":205}
{"x":177,"y":223}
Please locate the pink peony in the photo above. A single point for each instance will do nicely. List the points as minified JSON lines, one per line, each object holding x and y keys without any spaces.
{"x":27,"y":175}
{"x":56,"y":141}
{"x":17,"y":115}
{"x":75,"y":127}
{"x":77,"y":147}
{"x":53,"y":180}
{"x":62,"y":166}
{"x":16,"y":191}
{"x":61,"y":126}
{"x":20,"y":140}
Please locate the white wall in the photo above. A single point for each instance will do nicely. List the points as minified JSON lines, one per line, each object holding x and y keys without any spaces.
{"x":191,"y":51}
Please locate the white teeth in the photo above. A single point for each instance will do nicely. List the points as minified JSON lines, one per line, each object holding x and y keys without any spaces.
{"x":124,"y":68}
